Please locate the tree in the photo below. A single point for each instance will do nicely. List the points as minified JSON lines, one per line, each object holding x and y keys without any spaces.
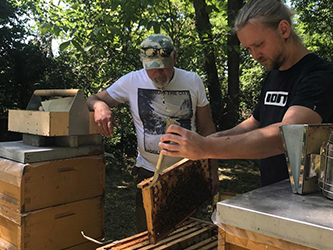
{"x":233,"y":53}
{"x":315,"y":22}
{"x":206,"y":37}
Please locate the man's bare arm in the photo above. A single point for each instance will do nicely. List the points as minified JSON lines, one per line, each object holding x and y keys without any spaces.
{"x":101,"y":103}
{"x":256,"y":144}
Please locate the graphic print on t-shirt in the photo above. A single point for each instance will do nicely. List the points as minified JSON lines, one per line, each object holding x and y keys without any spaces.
{"x":276,"y":98}
{"x":155,"y":106}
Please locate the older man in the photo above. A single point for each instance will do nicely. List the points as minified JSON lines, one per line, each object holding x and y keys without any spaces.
{"x":154,"y":93}
{"x":298,"y":89}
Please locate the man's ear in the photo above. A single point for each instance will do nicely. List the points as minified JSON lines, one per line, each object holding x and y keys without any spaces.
{"x":284,"y":29}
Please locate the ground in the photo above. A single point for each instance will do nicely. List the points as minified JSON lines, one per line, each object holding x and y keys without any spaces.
{"x":235,"y":177}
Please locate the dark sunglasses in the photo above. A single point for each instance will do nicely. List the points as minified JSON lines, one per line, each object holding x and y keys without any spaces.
{"x":151,"y":52}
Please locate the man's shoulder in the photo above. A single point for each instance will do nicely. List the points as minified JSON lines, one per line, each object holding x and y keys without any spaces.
{"x":186,"y":74}
{"x":133,"y":75}
{"x":313,"y":62}
{"x":137,"y":72}
{"x":183,"y":71}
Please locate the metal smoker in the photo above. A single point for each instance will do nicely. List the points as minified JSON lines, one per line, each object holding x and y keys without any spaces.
{"x":307,"y":159}
{"x":325,"y":178}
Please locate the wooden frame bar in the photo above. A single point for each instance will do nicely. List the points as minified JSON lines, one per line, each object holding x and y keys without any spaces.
{"x":175,"y":196}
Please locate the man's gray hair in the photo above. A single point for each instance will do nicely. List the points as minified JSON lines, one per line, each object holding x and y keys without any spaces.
{"x":269,"y":12}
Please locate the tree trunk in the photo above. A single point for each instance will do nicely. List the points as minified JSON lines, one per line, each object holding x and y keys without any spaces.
{"x":205,"y":33}
{"x":232,"y":110}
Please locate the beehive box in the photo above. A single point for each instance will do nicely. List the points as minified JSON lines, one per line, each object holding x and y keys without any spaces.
{"x":175,"y":196}
{"x":28,"y":187}
{"x":55,"y":228}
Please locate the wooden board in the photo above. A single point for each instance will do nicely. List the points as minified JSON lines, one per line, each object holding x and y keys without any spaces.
{"x":190,"y":235}
{"x":46,"y":123}
{"x":253,"y":241}
{"x":178,"y":192}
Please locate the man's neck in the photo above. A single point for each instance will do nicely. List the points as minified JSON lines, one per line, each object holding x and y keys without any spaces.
{"x":295,"y":52}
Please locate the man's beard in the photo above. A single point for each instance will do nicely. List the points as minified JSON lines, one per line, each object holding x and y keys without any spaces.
{"x":161,"y":84}
{"x":277,"y":60}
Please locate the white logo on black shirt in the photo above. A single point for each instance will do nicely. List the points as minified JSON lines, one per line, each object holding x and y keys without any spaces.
{"x":276,"y":98}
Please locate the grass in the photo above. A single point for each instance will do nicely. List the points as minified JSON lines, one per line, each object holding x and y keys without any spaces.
{"x":235,"y":176}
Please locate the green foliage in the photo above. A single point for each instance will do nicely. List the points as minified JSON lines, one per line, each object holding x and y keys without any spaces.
{"x":100,"y":39}
{"x":315,"y":22}
{"x":100,"y":43}
{"x":251,"y":76}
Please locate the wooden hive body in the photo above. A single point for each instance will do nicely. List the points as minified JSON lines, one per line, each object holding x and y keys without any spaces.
{"x":46,"y":204}
{"x":53,"y":228}
{"x":32,"y":186}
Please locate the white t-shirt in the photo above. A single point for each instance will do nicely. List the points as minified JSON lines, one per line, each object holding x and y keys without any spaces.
{"x":150,"y":106}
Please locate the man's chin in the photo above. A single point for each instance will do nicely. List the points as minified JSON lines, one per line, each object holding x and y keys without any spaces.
{"x":267,"y":66}
{"x":161,"y":84}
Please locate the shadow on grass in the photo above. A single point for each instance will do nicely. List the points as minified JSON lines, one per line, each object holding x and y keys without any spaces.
{"x":119,"y":198}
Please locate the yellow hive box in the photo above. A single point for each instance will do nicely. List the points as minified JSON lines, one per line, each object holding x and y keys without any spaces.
{"x":28,"y":187}
{"x":55,"y":228}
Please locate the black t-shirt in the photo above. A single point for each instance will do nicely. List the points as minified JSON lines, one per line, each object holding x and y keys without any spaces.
{"x":308,"y":83}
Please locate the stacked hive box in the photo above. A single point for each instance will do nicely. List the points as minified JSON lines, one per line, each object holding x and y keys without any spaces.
{"x":45,"y":205}
{"x":48,"y":193}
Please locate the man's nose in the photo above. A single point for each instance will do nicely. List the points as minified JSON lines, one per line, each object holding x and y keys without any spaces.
{"x":255,"y":54}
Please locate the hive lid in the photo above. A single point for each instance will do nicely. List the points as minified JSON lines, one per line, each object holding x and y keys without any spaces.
{"x":17,"y":151}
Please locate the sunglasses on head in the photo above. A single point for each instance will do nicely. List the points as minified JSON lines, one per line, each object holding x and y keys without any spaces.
{"x":151,"y":52}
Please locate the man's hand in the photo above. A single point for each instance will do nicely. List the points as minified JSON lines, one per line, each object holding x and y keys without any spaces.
{"x":187,"y":144}
{"x":105,"y":121}
{"x":101,"y":103}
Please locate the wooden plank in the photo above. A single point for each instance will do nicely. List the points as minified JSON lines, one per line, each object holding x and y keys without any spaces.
{"x":178,"y":192}
{"x":188,"y":225}
{"x":38,"y":122}
{"x":182,"y":239}
{"x":210,"y":246}
{"x":204,"y":244}
{"x":186,"y":229}
{"x":138,"y":245}
{"x":221,"y":239}
{"x":119,"y":244}
{"x":253,"y":241}
{"x":187,"y":234}
{"x":44,"y":123}
{"x":187,"y":240}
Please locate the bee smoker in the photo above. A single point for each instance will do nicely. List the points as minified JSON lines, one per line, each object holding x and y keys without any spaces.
{"x":325,"y":178}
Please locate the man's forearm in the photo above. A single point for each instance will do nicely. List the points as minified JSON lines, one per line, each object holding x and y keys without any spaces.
{"x":257,"y":144}
{"x":248,"y":125}
{"x":94,"y":103}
